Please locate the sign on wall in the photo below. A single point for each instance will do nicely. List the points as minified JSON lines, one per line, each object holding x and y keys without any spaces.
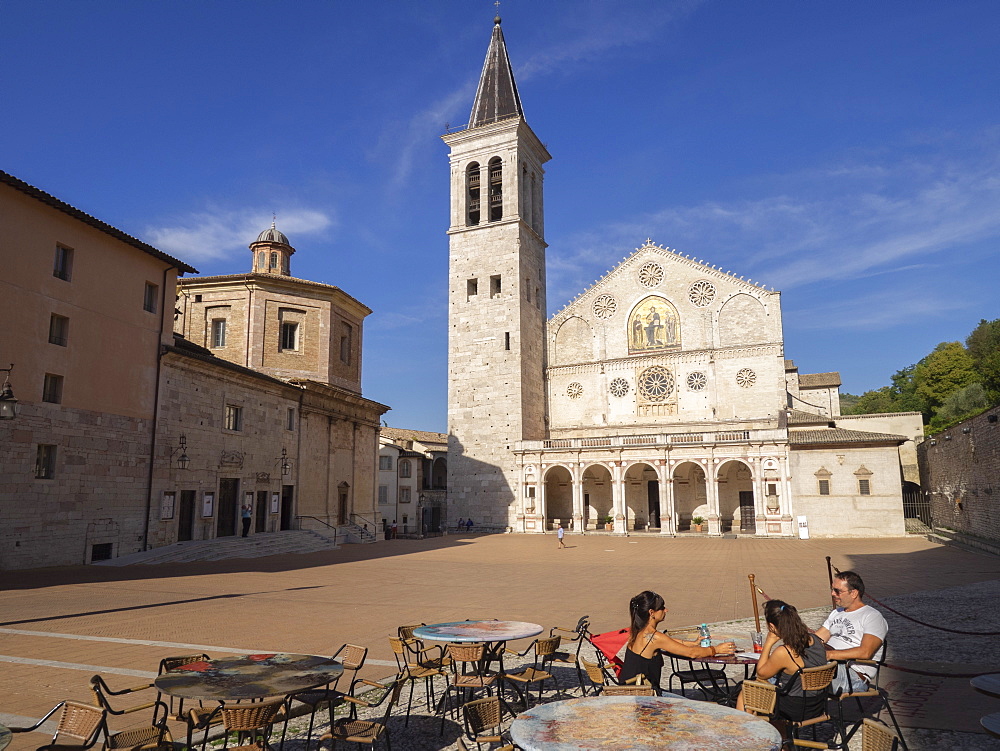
{"x":167,"y":504}
{"x":208,"y":504}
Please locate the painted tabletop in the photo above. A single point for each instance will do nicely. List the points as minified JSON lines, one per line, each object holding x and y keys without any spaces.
{"x":488,"y":631}
{"x":641,"y":723}
{"x":740,"y":658}
{"x":991,"y":723}
{"x":5,"y":736}
{"x":249,"y":676}
{"x":988,"y":683}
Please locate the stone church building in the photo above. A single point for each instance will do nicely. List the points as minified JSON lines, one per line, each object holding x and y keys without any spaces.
{"x":659,"y":396}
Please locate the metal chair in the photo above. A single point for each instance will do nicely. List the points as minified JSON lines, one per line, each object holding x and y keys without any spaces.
{"x":637,"y":690}
{"x":877,"y":737}
{"x":368,"y":732}
{"x":815,"y":683}
{"x":153,"y":735}
{"x":468,"y":674}
{"x":79,"y":727}
{"x":878,"y":696}
{"x":602,"y":678}
{"x":251,"y":722}
{"x":172,"y":663}
{"x":713,"y":683}
{"x":534,"y":673}
{"x":411,"y":672}
{"x":482,"y":725}
{"x":352,"y":657}
{"x":579,"y":632}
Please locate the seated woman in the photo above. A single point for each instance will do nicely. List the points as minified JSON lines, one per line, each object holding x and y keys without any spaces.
{"x":799,"y":649}
{"x":643,"y":651}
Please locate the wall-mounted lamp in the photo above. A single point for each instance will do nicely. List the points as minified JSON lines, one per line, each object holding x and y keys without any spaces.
{"x":8,"y":404}
{"x":183,"y":461}
{"x":286,"y":467}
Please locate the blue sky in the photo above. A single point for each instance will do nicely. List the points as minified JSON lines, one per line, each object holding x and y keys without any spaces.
{"x":844,"y":153}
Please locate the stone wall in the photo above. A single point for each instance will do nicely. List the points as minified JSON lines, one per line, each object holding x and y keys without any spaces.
{"x":960,"y":476}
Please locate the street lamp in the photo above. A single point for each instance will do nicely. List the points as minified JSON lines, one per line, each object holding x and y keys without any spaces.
{"x":183,"y":461}
{"x":285,"y":466}
{"x":8,"y":404}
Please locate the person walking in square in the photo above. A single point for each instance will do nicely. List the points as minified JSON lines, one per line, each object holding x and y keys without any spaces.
{"x":246,"y":513}
{"x":560,"y":533}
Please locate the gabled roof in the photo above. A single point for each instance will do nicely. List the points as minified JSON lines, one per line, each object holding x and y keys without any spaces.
{"x":405,"y":434}
{"x":840,"y":436}
{"x":800,"y":417}
{"x":50,"y":200}
{"x":496,"y":98}
{"x":818,"y":380}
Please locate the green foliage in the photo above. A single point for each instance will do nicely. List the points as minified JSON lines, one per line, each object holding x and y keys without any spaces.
{"x":945,"y":370}
{"x":847,"y":403}
{"x":959,"y":405}
{"x":984,"y":348}
{"x":871,"y":402}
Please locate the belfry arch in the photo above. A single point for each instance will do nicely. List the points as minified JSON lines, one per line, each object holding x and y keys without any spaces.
{"x":642,"y":497}
{"x":597,"y":495}
{"x":690,"y":494}
{"x":558,"y":496}
{"x":736,"y":497}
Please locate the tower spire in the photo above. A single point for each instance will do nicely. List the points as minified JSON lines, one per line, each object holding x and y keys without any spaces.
{"x":496,"y":98}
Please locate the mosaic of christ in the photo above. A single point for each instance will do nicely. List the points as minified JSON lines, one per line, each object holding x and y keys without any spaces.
{"x":653,"y":325}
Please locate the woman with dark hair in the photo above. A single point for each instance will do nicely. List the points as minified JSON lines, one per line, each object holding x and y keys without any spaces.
{"x":643,"y":651}
{"x":799,"y":649}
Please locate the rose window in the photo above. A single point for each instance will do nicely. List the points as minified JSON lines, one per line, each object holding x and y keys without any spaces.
{"x":574,"y":390}
{"x":746,"y":378}
{"x":697,"y":381}
{"x":701,"y":293}
{"x":651,"y":274}
{"x":605,"y":306}
{"x":656,"y":384}
{"x":619,"y":387}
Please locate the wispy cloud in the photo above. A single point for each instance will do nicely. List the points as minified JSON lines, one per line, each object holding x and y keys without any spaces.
{"x":860,"y":314}
{"x":215,"y":234}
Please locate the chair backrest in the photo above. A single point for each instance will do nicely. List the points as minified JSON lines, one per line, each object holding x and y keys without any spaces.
{"x":466,"y":652}
{"x":594,"y":672}
{"x":759,"y":698}
{"x":81,"y":722}
{"x":877,"y":737}
{"x":399,"y":651}
{"x":628,"y":691}
{"x":818,"y":678}
{"x":547,"y":645}
{"x":352,"y":656}
{"x":172,"y":663}
{"x":482,"y":715}
{"x":254,"y":716}
{"x":406,"y":632}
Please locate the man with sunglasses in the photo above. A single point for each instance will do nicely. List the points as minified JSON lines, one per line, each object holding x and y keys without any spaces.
{"x":854,"y":631}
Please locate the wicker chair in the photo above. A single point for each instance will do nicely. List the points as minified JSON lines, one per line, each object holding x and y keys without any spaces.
{"x":815,"y":681}
{"x":411,"y":672}
{"x":352,"y":657}
{"x":876,"y":697}
{"x":468,"y":674}
{"x":172,"y":663}
{"x":759,"y":698}
{"x":638,"y":690}
{"x":877,"y":737}
{"x":250,"y":722}
{"x":482,"y":725}
{"x":368,"y":732}
{"x":534,"y":673}
{"x":153,"y":735}
{"x":601,"y":677}
{"x":79,"y":727}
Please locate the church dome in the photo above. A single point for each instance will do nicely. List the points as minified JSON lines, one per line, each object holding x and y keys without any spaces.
{"x":272,"y":235}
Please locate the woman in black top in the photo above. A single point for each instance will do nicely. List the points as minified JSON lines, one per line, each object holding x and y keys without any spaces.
{"x":799,"y":649}
{"x":643,"y":651}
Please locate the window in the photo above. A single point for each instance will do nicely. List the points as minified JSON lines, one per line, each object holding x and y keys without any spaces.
{"x":472,"y":194}
{"x":149,"y":298}
{"x":52,"y":389}
{"x":63,"y":266}
{"x":197,"y":298}
{"x":234,"y":417}
{"x":263,"y":260}
{"x":404,"y":468}
{"x":471,"y":288}
{"x":346,"y":342}
{"x":101,"y":551}
{"x":383,"y":494}
{"x":289,"y":335}
{"x":824,"y":487}
{"x":495,"y":285}
{"x":290,"y":419}
{"x":385,"y":462}
{"x":404,"y":495}
{"x":219,"y":332}
{"x":274,"y":260}
{"x":496,"y":189}
{"x":506,"y":340}
{"x":772,"y":488}
{"x":58,"y":330}
{"x":864,"y":486}
{"x":45,"y":462}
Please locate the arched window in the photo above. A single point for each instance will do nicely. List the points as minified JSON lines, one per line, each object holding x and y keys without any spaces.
{"x":472,"y":194}
{"x":496,"y":189}
{"x":404,"y":467}
{"x":274,"y":260}
{"x":262,"y":264}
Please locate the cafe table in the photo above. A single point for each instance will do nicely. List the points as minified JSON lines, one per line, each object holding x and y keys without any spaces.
{"x":249,"y":677}
{"x":988,"y":683}
{"x":640,"y":723}
{"x":747,"y":659}
{"x":5,"y":736}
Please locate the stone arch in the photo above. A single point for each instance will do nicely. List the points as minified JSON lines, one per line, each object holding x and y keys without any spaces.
{"x":642,"y":496}
{"x":743,"y":320}
{"x":439,"y":473}
{"x":690,"y":493}
{"x":734,"y":480}
{"x":574,"y":341}
{"x":653,"y":325}
{"x":597,"y":498}
{"x":558,"y":494}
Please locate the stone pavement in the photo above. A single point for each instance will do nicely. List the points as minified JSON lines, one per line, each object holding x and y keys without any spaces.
{"x":62,"y":625}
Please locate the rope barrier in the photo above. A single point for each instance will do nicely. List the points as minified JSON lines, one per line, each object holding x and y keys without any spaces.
{"x":931,"y":625}
{"x":932,"y":673}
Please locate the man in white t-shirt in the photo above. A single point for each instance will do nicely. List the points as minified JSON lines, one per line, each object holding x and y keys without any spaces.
{"x":854,"y":631}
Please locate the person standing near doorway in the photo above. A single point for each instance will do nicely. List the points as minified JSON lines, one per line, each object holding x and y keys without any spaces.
{"x":246,"y":513}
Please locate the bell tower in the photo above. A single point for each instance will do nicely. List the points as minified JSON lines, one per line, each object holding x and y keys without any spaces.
{"x":496,"y":296}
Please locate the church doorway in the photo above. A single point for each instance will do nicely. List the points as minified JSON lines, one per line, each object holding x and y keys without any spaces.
{"x":642,"y":497}
{"x":597,"y":496}
{"x":735,"y":481}
{"x":690,"y":495}
{"x":558,"y":496}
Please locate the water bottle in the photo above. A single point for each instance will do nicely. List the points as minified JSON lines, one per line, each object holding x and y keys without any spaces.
{"x":706,"y":637}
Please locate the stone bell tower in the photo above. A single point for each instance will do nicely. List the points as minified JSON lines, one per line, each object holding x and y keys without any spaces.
{"x":496,"y":291}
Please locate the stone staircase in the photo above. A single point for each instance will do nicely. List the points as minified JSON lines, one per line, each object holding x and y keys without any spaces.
{"x":254,"y":546}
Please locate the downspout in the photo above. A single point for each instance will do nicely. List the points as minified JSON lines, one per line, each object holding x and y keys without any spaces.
{"x":246,"y":283}
{"x":156,"y":410}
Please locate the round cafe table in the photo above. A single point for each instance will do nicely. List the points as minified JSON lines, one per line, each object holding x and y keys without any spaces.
{"x":249,"y":676}
{"x":640,"y":723}
{"x":475,"y":631}
{"x":5,"y":736}
{"x":988,"y":683}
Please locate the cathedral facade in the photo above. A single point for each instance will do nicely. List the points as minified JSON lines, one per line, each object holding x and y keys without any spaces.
{"x":660,"y":399}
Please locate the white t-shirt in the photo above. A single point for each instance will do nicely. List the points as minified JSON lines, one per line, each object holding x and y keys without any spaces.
{"x":847,"y":628}
{"x":560,"y":532}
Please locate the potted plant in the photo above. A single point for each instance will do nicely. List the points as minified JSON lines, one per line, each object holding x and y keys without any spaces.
{"x":609,"y":523}
{"x":696,"y":523}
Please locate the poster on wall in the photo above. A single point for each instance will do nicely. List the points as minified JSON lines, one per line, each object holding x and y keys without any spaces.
{"x":275,"y":500}
{"x":167,"y":504}
{"x":208,"y":505}
{"x":248,"y":498}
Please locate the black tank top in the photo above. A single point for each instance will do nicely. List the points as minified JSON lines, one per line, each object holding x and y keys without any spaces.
{"x":635,"y":664}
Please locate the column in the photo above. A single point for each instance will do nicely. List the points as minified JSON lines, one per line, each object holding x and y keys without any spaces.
{"x":618,"y":499}
{"x":577,"y":479}
{"x":712,"y":493}
{"x":667,"y":520}
{"x":541,"y":511}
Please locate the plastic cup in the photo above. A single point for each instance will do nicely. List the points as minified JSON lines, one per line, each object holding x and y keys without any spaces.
{"x":757,"y":638}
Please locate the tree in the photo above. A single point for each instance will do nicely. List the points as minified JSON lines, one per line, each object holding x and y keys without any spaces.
{"x":945,"y":370}
{"x":961,"y":404}
{"x":984,"y":348}
{"x":872,"y":402}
